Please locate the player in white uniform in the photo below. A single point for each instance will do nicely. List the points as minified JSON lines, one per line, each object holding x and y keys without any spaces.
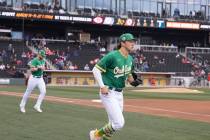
{"x":111,"y":73}
{"x":37,"y":66}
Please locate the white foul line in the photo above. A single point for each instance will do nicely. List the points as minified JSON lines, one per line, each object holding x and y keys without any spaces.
{"x":166,"y":110}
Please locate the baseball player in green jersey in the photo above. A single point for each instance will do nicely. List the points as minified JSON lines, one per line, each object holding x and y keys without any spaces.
{"x":37,"y":66}
{"x":111,"y":73}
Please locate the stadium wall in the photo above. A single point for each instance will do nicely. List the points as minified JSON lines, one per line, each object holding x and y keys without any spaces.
{"x":85,"y":78}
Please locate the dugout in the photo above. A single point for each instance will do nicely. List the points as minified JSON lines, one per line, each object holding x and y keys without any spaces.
{"x":85,"y":78}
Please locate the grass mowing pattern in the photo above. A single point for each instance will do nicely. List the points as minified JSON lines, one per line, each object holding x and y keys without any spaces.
{"x":72,"y":122}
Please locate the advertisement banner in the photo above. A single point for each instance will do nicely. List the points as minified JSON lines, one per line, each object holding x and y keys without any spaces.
{"x":43,"y":16}
{"x":34,"y":16}
{"x":109,"y":21}
{"x":7,"y":14}
{"x":183,"y":25}
{"x":130,"y":22}
{"x":160,"y":24}
{"x":120,"y":21}
{"x":146,"y":22}
{"x":204,"y":27}
{"x":98,"y":20}
{"x":139,"y":22}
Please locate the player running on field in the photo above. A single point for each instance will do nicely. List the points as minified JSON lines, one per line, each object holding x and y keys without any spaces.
{"x":111,"y":73}
{"x":37,"y":66}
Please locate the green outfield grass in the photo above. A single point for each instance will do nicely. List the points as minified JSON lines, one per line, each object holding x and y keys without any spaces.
{"x":72,"y":122}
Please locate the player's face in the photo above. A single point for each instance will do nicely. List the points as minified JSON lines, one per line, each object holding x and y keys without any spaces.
{"x":40,"y":57}
{"x":129,"y":45}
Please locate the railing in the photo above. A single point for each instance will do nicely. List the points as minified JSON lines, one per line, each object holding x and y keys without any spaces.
{"x":113,"y":14}
{"x":197,"y":50}
{"x":49,"y":40}
{"x":27,"y":10}
{"x":157,"y":48}
{"x":192,"y":52}
{"x":183,"y":74}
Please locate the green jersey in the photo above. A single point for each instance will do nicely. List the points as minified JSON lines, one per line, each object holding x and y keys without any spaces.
{"x":115,"y":69}
{"x":35,"y":63}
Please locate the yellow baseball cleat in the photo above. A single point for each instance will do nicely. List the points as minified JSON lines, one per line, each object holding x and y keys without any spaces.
{"x":93,"y":135}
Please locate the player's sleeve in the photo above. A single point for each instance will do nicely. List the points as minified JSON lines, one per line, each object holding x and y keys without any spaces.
{"x":104,"y":63}
{"x":32,"y":63}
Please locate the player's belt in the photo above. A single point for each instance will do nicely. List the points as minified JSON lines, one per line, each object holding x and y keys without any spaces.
{"x":37,"y":76}
{"x":116,"y":89}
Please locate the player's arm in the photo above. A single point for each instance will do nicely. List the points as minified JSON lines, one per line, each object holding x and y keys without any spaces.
{"x":42,"y":67}
{"x":33,"y":65}
{"x":133,"y":78}
{"x":33,"y":68}
{"x":98,"y":77}
{"x":99,"y":68}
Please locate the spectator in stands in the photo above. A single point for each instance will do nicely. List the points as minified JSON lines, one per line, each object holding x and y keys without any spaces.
{"x":23,"y":55}
{"x":185,"y":60}
{"x":48,"y":51}
{"x":3,"y":3}
{"x":71,"y":67}
{"x":24,"y":58}
{"x":141,"y":59}
{"x":4,"y":55}
{"x":145,"y":66}
{"x":208,"y":80}
{"x":61,"y":10}
{"x":136,"y":63}
{"x":191,"y":14}
{"x":176,"y":13}
{"x":8,"y":66}
{"x":75,"y":53}
{"x":75,"y":67}
{"x":1,"y":58}
{"x":10,"y":50}
{"x":86,"y":67}
{"x":68,"y":53}
{"x":2,"y":66}
{"x":43,"y":42}
{"x":60,"y":63}
{"x":156,"y":57}
{"x":102,"y":49}
{"x":172,"y":45}
{"x":19,"y":62}
{"x":164,"y":14}
{"x":29,"y":54}
{"x":206,"y":63}
{"x":162,"y":61}
{"x":180,"y":83}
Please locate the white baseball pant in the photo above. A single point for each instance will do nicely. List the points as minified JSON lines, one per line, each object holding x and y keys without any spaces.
{"x":113,"y":103}
{"x":32,"y":83}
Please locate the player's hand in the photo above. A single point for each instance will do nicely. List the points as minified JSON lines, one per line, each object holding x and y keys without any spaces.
{"x":41,"y":67}
{"x":34,"y":69}
{"x":104,"y":90}
{"x":136,"y":82}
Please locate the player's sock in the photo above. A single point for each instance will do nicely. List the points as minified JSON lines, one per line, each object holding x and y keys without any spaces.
{"x":107,"y":130}
{"x":106,"y":137}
